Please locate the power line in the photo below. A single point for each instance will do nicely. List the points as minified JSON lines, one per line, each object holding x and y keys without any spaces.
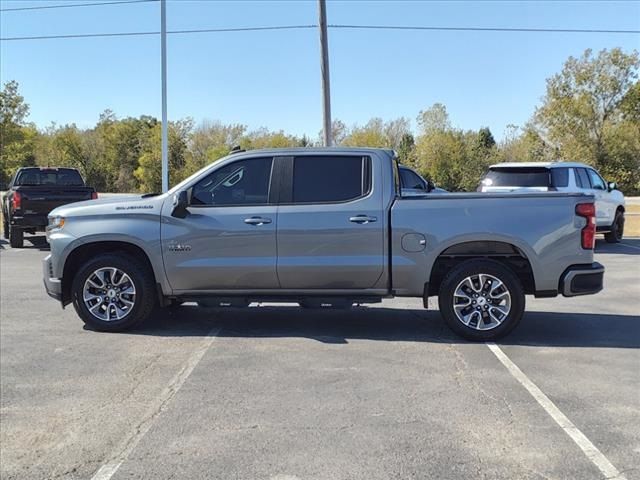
{"x":337,"y":26}
{"x":72,"y":5}
{"x":175,"y":32}
{"x":482,"y":29}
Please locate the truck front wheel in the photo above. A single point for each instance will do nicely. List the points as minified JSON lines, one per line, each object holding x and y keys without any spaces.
{"x":481,"y":299}
{"x":113,"y":292}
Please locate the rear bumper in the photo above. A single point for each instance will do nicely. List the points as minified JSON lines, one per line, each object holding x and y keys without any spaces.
{"x":52,"y":285}
{"x":582,"y":280}
{"x":35,"y":221}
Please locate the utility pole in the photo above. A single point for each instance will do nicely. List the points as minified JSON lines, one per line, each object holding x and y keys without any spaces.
{"x":165,"y":141}
{"x":324,"y":67}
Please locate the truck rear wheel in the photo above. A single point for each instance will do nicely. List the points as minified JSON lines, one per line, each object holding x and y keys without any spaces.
{"x":617,"y":229}
{"x":481,"y":300}
{"x":16,"y":237}
{"x":113,"y":292}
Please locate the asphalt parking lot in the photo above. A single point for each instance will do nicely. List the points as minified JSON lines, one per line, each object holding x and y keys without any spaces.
{"x":279,"y":393}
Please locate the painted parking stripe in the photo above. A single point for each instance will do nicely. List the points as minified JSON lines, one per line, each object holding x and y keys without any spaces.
{"x":630,"y":246}
{"x":588,"y":448}
{"x":106,"y":471}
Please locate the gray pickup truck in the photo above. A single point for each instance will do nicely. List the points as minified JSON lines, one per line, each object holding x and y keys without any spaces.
{"x":325,"y":228}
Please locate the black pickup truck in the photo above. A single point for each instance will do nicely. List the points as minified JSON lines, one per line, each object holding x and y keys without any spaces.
{"x":33,"y":192}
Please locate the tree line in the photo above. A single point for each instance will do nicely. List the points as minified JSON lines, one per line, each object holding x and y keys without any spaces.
{"x":590,"y":113}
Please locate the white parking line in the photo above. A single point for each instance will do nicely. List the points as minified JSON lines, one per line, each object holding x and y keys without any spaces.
{"x":106,"y":471}
{"x":630,"y":246}
{"x":589,"y":449}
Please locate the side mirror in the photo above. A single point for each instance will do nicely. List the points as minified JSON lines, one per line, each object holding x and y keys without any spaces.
{"x":430,"y":185}
{"x":612,"y":186}
{"x":180,"y":204}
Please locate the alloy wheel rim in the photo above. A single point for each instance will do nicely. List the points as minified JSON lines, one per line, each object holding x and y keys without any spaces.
{"x":109,"y":294}
{"x":482,"y":301}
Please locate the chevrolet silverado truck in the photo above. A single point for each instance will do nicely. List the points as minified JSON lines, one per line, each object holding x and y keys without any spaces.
{"x":33,"y":192}
{"x":325,"y":228}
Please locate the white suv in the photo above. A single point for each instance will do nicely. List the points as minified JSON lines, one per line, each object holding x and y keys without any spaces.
{"x":562,"y":177}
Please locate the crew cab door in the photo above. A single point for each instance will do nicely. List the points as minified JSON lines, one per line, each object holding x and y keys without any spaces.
{"x":589,"y":181}
{"x":330,"y":223}
{"x":228,"y":239}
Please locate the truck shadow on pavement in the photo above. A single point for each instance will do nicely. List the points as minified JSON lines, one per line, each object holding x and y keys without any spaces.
{"x":30,"y":241}
{"x":390,"y":325}
{"x":628,"y":246}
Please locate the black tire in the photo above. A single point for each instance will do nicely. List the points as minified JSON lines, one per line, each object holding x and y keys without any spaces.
{"x":617,"y":229}
{"x":142,"y":278}
{"x":471,"y":268}
{"x":16,"y":237}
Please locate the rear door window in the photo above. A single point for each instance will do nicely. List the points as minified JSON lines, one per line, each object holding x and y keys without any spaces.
{"x":330,"y":179}
{"x":517,"y":177}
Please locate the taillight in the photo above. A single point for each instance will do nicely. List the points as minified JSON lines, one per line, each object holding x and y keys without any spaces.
{"x":16,"y":201}
{"x":588,"y":211}
{"x":94,"y":195}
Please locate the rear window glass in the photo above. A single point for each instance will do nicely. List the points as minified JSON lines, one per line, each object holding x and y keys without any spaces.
{"x":559,"y":177}
{"x":329,"y":179}
{"x":517,"y":177}
{"x":62,"y":176}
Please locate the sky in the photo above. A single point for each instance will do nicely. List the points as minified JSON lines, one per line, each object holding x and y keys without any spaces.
{"x":272,"y":78}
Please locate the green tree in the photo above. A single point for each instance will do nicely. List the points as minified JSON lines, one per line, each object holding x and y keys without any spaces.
{"x":149,"y":170}
{"x":17,"y":137}
{"x":407,"y":150}
{"x":589,"y":113}
{"x":434,"y":119}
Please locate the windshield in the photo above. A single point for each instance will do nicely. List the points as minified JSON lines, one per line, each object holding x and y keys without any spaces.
{"x":517,"y":177}
{"x":44,"y":176}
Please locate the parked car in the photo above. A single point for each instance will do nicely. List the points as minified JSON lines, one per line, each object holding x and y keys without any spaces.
{"x":563,"y":177}
{"x":325,"y":228}
{"x":32,"y":193}
{"x":414,"y":184}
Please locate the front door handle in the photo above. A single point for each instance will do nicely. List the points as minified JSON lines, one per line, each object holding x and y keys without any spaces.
{"x":257,"y":220}
{"x":362,"y":219}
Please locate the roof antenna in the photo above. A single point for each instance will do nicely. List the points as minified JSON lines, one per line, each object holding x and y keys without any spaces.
{"x":237,"y":149}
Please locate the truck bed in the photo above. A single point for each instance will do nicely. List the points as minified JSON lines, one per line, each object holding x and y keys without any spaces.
{"x":542,"y":227}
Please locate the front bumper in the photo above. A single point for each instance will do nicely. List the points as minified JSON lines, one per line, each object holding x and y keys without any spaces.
{"x":582,"y":280}
{"x":52,"y":285}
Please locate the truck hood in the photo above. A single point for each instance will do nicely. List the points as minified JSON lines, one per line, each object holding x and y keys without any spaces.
{"x":110,"y":205}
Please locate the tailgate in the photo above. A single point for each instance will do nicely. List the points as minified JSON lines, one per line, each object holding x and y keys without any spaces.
{"x":44,"y":199}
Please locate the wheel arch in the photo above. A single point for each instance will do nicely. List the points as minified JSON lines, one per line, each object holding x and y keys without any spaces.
{"x":80,"y":254}
{"x":504,"y":252}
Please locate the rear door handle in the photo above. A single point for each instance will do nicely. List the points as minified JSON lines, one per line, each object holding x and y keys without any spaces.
{"x":257,"y":220}
{"x":362,"y":219}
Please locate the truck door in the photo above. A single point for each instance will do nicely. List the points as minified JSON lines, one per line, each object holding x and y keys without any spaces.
{"x":605,"y":206}
{"x":330,"y":223}
{"x":228,"y":240}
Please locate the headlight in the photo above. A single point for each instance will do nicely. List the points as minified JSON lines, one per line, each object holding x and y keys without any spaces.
{"x":55,"y":222}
